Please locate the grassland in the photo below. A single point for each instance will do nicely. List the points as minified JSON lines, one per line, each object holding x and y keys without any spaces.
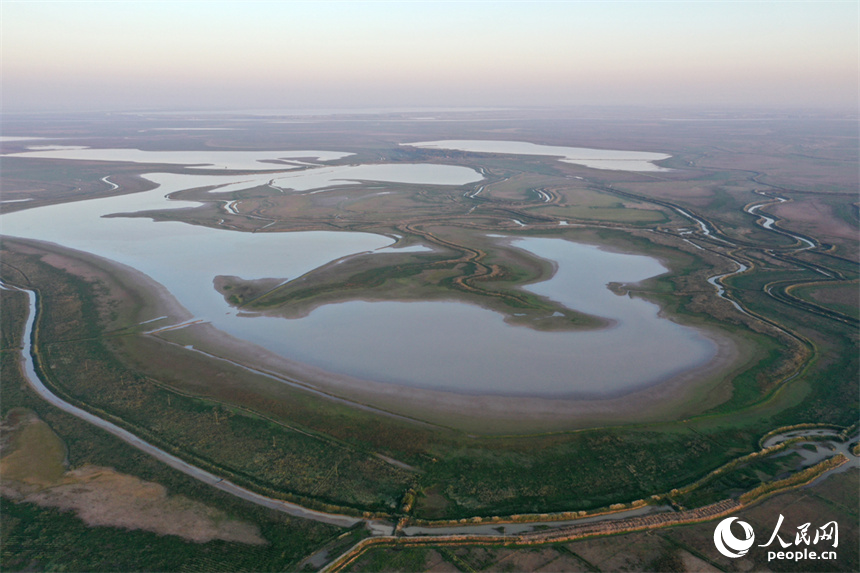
{"x":683,"y":548}
{"x":799,"y":366}
{"x":48,"y":538}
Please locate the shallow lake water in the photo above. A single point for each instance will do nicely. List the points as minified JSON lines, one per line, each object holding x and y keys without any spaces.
{"x":464,"y":348}
{"x":440,"y":345}
{"x":594,"y":158}
{"x":186,"y":258}
{"x":236,"y":160}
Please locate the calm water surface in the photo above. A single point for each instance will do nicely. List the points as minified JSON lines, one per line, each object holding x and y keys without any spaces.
{"x":595,"y":158}
{"x":186,"y":258}
{"x":442,"y":345}
{"x":464,"y":348}
{"x":236,"y":160}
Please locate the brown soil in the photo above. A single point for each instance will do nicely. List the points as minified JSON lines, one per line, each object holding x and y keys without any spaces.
{"x":813,"y":217}
{"x":101,"y":496}
{"x":32,"y":470}
{"x":676,"y":397}
{"x":846,"y":294}
{"x":680,"y":396}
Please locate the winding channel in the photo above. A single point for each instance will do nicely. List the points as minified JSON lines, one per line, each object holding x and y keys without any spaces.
{"x":378,"y":527}
{"x":35,"y":382}
{"x":708,"y":231}
{"x":769,"y":222}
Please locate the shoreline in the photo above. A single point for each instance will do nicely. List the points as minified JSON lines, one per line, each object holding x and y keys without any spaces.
{"x":615,"y":520}
{"x":665,"y":400}
{"x":175,"y":462}
{"x":659,"y":401}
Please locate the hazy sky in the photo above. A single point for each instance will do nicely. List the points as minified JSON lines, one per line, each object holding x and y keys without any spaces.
{"x":249,"y":55}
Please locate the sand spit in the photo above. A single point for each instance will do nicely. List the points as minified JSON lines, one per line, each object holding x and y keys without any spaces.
{"x":680,"y":396}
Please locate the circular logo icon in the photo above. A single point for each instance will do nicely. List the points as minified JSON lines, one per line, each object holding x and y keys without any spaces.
{"x":728,"y":544}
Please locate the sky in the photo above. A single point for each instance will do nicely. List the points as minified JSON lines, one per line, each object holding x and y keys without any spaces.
{"x":211,"y":55}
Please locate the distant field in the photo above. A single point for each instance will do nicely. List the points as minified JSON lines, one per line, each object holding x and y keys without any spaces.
{"x":787,"y":322}
{"x":843,"y":298}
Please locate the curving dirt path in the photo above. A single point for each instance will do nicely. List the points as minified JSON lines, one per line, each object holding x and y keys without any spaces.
{"x":35,"y":382}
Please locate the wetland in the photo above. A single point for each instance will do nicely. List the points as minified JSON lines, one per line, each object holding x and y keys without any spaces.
{"x":488,"y":330}
{"x":440,"y":345}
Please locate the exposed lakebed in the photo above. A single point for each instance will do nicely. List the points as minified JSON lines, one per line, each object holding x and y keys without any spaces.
{"x":437,"y":345}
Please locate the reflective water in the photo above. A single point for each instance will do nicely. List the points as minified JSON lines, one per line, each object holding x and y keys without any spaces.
{"x":184,"y":258}
{"x":464,"y":348}
{"x":595,"y":158}
{"x":238,"y":160}
{"x":442,"y":345}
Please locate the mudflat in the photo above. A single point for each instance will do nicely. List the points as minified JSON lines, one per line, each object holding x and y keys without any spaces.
{"x":680,"y":396}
